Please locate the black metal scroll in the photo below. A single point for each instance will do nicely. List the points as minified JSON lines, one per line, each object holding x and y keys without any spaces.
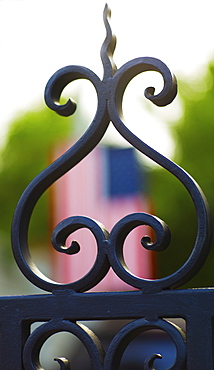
{"x":155,"y":299}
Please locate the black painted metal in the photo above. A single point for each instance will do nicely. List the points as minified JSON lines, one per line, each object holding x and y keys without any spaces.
{"x":155,"y":300}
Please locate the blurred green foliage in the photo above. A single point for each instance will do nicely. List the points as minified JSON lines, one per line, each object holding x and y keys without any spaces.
{"x":194,"y":137}
{"x":26,"y":152}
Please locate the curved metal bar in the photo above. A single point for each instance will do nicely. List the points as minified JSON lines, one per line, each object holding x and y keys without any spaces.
{"x":130,"y":70}
{"x":203,"y":238}
{"x":122,"y":339}
{"x":57,"y":169}
{"x":101,"y":264}
{"x":117,"y":238}
{"x":64,"y":363}
{"x":148,"y":364}
{"x":36,"y":340}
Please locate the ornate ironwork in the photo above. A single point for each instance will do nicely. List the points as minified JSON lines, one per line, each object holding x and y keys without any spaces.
{"x":154,"y":300}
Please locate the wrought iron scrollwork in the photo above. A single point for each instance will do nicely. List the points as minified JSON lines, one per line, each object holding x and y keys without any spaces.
{"x":112,"y":358}
{"x":36,"y":340}
{"x":101,"y":265}
{"x":110,"y":91}
{"x":130,"y":331}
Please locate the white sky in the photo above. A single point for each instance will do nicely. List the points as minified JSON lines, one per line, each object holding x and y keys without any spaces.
{"x":37,"y":37}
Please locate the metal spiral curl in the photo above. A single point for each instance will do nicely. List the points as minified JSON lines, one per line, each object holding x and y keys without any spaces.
{"x":117,"y":238}
{"x":124,"y":337}
{"x":149,"y":363}
{"x":63,"y":362}
{"x":101,"y":264}
{"x":36,"y":340}
{"x":110,"y":93}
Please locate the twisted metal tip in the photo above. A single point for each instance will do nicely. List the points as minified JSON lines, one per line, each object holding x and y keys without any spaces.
{"x":108,"y":46}
{"x":107,"y":10}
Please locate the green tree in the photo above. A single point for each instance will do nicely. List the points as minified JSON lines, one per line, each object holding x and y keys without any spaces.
{"x":194,"y":135}
{"x":26,"y":152}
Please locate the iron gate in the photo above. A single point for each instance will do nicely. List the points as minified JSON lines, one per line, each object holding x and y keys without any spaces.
{"x":153,"y":300}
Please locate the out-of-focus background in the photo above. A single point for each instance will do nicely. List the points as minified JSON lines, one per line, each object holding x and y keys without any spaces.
{"x":40,"y":37}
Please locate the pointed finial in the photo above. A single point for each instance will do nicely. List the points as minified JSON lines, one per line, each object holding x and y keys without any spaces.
{"x":108,"y":47}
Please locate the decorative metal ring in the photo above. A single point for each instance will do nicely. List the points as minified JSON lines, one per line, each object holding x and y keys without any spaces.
{"x":101,"y":264}
{"x":36,"y":340}
{"x":116,"y":243}
{"x":130,"y":331}
{"x":59,"y":236}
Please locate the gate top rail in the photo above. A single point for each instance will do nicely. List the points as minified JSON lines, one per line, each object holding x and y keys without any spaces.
{"x":110,"y":91}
